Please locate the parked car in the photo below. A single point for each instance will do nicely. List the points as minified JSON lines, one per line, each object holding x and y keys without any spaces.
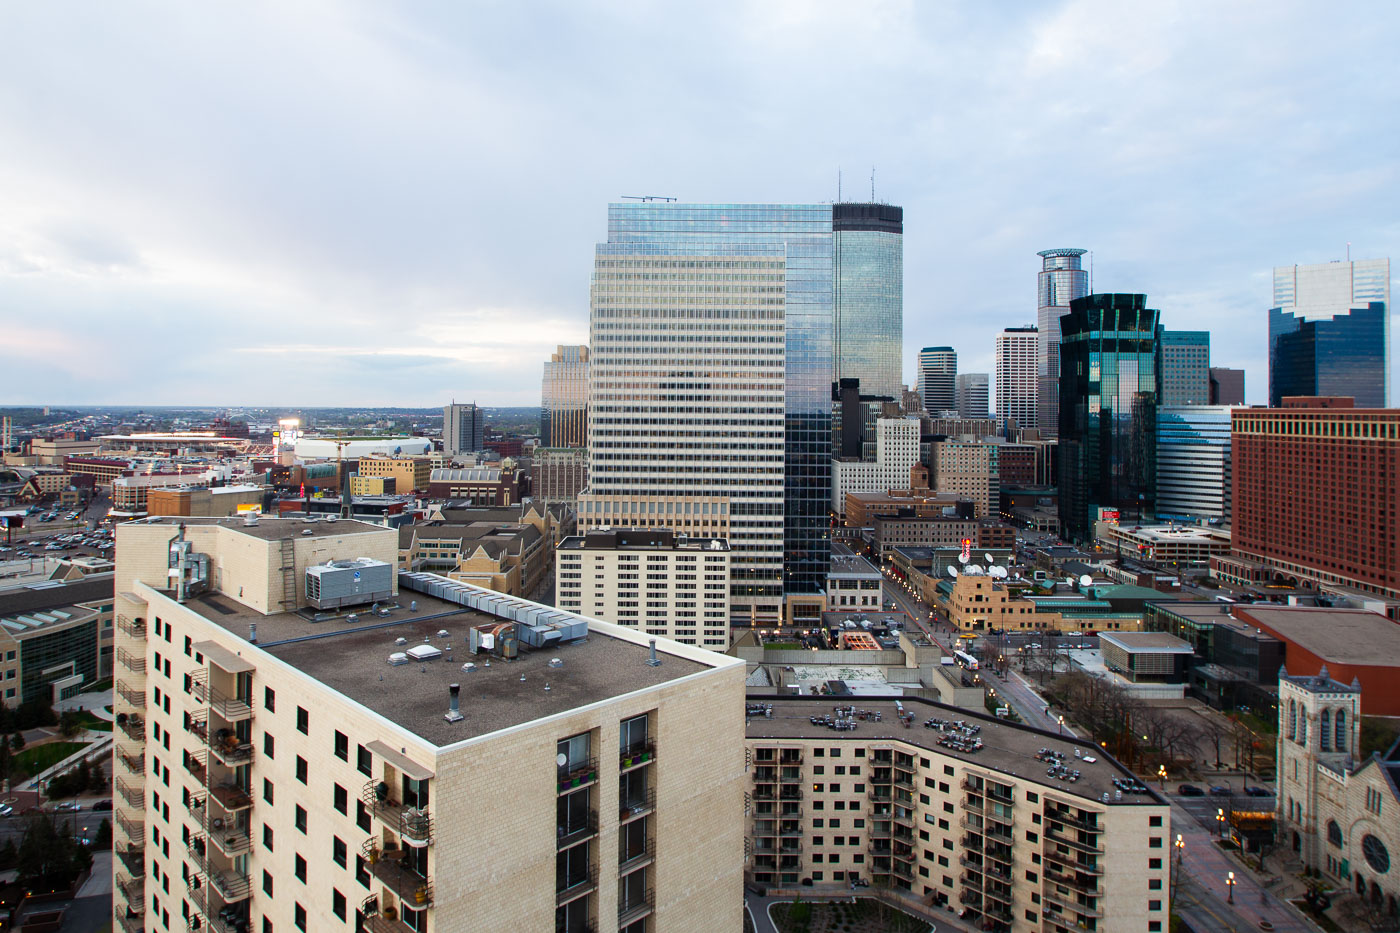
{"x":1190,"y":790}
{"x":69,"y":805}
{"x":1258,"y":791}
{"x":1220,"y":790}
{"x":102,"y":805}
{"x":6,"y":809}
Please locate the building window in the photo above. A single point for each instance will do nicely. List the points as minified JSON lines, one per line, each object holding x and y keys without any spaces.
{"x":338,"y":904}
{"x":269,"y":699}
{"x":267,"y":837}
{"x":299,"y":869}
{"x":342,"y":800}
{"x":1324,"y":732}
{"x":364,"y":761}
{"x":338,"y":851}
{"x":1341,"y":743}
{"x":267,"y":884}
{"x":268,"y":745}
{"x":301,"y":769}
{"x":303,"y":721}
{"x":301,"y":818}
{"x":342,"y":746}
{"x":299,"y":918}
{"x":1334,"y":833}
{"x":267,"y":790}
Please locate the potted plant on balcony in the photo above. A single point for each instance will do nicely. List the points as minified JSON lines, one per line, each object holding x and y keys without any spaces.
{"x":421,"y":895}
{"x":389,"y":912}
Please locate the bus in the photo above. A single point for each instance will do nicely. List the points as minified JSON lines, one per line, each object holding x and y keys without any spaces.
{"x":966,"y":660}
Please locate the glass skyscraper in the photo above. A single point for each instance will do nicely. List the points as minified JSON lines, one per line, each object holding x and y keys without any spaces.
{"x":1061,"y":280}
{"x":1108,"y":411}
{"x":1185,"y":362}
{"x":1193,"y":462}
{"x":938,"y":379}
{"x":711,"y":343}
{"x":869,"y":270}
{"x":1329,"y":332}
{"x":564,"y":398}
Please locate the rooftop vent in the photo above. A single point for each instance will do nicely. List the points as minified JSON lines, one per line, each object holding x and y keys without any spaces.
{"x":652,"y":661}
{"x":555,"y":662}
{"x":424,"y":652}
{"x":397,"y":658}
{"x":400,"y":640}
{"x":469,"y":668}
{"x":453,"y":714}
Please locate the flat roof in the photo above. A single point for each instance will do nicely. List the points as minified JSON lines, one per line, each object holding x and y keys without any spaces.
{"x":1146,"y":642}
{"x":275,"y":529}
{"x":353,"y":659}
{"x":1340,"y":636}
{"x":1006,"y":747}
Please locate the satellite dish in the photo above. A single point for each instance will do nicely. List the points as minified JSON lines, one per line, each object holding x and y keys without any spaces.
{"x":1086,"y":580}
{"x":562,"y":759}
{"x":952,"y":572}
{"x":990,"y":559}
{"x":1069,"y":581}
{"x":962,"y":558}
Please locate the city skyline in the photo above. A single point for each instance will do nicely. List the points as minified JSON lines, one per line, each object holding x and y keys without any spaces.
{"x":353,"y":233}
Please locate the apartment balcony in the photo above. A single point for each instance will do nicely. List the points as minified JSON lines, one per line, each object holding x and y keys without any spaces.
{"x":136,"y":628}
{"x":376,"y":919}
{"x":973,"y":803}
{"x":133,"y":726}
{"x":228,"y":836}
{"x":134,"y":890}
{"x":875,"y":832}
{"x":999,"y":795}
{"x":230,"y":797}
{"x":576,"y":886}
{"x":765,"y":774}
{"x":1084,"y":884}
{"x":1070,"y":904}
{"x":134,"y":796}
{"x":1071,"y":863}
{"x":992,"y":815}
{"x":136,"y":663}
{"x":789,"y":828}
{"x":789,"y":792}
{"x":636,"y":755}
{"x":634,"y":909}
{"x":230,"y":709}
{"x":766,"y":792}
{"x":388,"y":866}
{"x":131,"y":695}
{"x":905,"y":820}
{"x":233,"y":886}
{"x":971,"y":841}
{"x":790,"y":756}
{"x":637,"y":806}
{"x":972,"y":787}
{"x":133,"y":858}
{"x":134,"y":827}
{"x":579,"y":830}
{"x":879,"y":793}
{"x":629,"y":862}
{"x":879,"y":849}
{"x":999,"y":852}
{"x":577,"y":774}
{"x":996,"y":911}
{"x":1092,"y":847}
{"x":1061,"y":816}
{"x":414,"y":825}
{"x":136,"y":764}
{"x":130,"y":921}
{"x":902,"y":870}
{"x":195,"y":765}
{"x":227,"y":746}
{"x":904,"y":784}
{"x":986,"y":868}
{"x":997,"y":893}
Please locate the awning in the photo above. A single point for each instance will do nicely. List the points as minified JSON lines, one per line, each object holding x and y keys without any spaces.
{"x":224,"y":658}
{"x":405,"y":764}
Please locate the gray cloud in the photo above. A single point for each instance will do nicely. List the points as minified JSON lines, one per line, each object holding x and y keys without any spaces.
{"x":343,"y":203}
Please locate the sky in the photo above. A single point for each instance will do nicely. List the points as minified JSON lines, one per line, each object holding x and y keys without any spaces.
{"x":354,"y":204}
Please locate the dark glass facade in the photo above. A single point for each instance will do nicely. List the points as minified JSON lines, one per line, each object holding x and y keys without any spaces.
{"x":1107,"y":410}
{"x":1341,"y":356}
{"x":869,"y":271}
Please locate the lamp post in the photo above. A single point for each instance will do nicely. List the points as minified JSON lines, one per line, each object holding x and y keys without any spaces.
{"x":1162,"y":775}
{"x":1180,"y":846}
{"x":1061,"y":725}
{"x":1230,"y":888}
{"x":1220,"y":820}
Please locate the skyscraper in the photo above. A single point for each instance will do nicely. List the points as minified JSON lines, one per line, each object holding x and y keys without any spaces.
{"x":710,"y":385}
{"x":1016,"y":384}
{"x":1185,"y":362}
{"x":972,"y":395}
{"x":1108,"y":411}
{"x":938,"y":374}
{"x":463,"y":429}
{"x":1226,"y":386}
{"x":869,"y":275}
{"x":564,"y":398}
{"x":1329,"y":332}
{"x":1061,"y":280}
{"x":1193,"y":462}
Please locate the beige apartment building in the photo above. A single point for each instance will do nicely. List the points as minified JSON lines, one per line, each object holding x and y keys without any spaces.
{"x":980,"y":604}
{"x":968,"y":470}
{"x":1014,"y":829}
{"x":409,"y":473}
{"x":315,"y":741}
{"x":671,"y":585}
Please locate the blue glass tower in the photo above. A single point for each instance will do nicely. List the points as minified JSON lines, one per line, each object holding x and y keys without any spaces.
{"x":869,"y":269}
{"x":1329,"y":332}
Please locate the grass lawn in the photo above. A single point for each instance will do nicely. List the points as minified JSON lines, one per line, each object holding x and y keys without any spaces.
{"x":866,"y":915}
{"x":36,"y":758}
{"x":89,"y":721}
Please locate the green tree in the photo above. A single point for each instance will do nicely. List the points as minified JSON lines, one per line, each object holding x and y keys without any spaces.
{"x":103,"y":839}
{"x":69,"y":723}
{"x":9,"y":855}
{"x":98,"y":783}
{"x":17,"y":741}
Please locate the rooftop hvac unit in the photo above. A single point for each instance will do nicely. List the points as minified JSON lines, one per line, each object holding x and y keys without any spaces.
{"x":348,"y":583}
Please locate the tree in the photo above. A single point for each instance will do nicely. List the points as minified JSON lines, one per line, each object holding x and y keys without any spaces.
{"x":70,"y":724}
{"x":17,"y":741}
{"x":103,"y":839}
{"x":99,"y":784}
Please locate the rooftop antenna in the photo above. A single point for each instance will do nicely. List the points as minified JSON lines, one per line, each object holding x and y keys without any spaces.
{"x":1091,"y":272}
{"x":645,"y":197}
{"x":1348,"y":250}
{"x":838,"y":184}
{"x":872,"y":184}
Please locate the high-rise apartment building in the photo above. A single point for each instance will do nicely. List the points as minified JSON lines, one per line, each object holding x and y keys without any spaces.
{"x":938,"y":379}
{"x":558,"y":474}
{"x":972,"y":395}
{"x":1314,"y":485}
{"x":976,"y":813}
{"x":1062,"y":279}
{"x":969,"y":470}
{"x":1193,"y":462}
{"x":1184,"y":356}
{"x":1108,"y":411}
{"x":649,"y":579}
{"x":1016,"y":381}
{"x":1226,"y":386}
{"x":868,"y":256}
{"x":564,"y":398}
{"x":1329,"y":332}
{"x":463,"y":429}
{"x":711,"y":364}
{"x":308,"y":741}
{"x":896,"y":453}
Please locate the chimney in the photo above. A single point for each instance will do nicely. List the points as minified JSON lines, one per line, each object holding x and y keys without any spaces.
{"x":653,"y":661}
{"x":252,"y":633}
{"x":453,"y":713}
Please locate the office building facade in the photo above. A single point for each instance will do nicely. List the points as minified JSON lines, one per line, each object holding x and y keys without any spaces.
{"x":1193,"y":463}
{"x":972,"y":395}
{"x":1226,"y":386}
{"x":896,"y":453}
{"x":564,"y":398}
{"x":868,"y":258}
{"x":938,"y":379}
{"x":463,"y":429}
{"x":1108,"y":411}
{"x":1062,"y":279}
{"x":1017,"y":353}
{"x":1184,"y":356}
{"x":1329,"y":332}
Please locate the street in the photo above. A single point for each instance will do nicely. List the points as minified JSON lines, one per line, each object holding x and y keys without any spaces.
{"x":82,"y":822}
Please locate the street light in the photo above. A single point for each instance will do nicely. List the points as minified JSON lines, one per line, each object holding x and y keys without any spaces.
{"x":1180,"y":845}
{"x":1220,"y":819}
{"x":1162,"y":775}
{"x":1230,"y":883}
{"x":1061,"y":726}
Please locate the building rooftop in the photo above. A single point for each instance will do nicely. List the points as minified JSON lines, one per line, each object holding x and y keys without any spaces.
{"x":1146,"y":642}
{"x":1338,"y":636}
{"x":52,"y":594}
{"x":353,"y":659}
{"x":1006,"y":747}
{"x":641,"y":539}
{"x":274,"y":529}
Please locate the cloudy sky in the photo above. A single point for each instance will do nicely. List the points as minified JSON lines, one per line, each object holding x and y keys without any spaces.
{"x":341,"y":203}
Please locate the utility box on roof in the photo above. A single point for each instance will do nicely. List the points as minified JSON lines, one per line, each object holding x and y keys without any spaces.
{"x":348,"y":583}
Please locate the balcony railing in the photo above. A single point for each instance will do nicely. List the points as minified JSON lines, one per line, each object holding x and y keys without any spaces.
{"x":133,"y":857}
{"x":131,"y":695}
{"x":1071,"y":863}
{"x":578,"y":830}
{"x":636,"y":805}
{"x":576,"y":886}
{"x":902,"y":870}
{"x":228,"y":746}
{"x":636,"y":755}
{"x":1075,"y":882}
{"x":415,"y":825}
{"x":999,"y":794}
{"x":231,"y":709}
{"x":630,"y":910}
{"x":136,"y":763}
{"x":129,"y":922}
{"x":135,"y":797}
{"x":1063,"y":816}
{"x":136,"y":663}
{"x":388,"y":866}
{"x":135,"y":829}
{"x":577,"y":774}
{"x":1070,"y":904}
{"x":133,"y":726}
{"x":195,"y":765}
{"x":230,"y":797}
{"x":233,"y":886}
{"x":630,"y":862}
{"x":136,"y":628}
{"x":228,"y":836}
{"x":1063,"y":839}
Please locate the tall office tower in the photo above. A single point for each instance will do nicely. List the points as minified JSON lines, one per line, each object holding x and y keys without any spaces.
{"x":1311,"y":483}
{"x":869,"y":275}
{"x":1329,"y":332}
{"x":1016,"y":385}
{"x":564,"y":399}
{"x":710,"y":386}
{"x":896,"y":453}
{"x":1226,"y":386}
{"x":1193,"y":462}
{"x":249,"y":833}
{"x":938,"y":378}
{"x":463,"y":429}
{"x":1108,"y":411}
{"x":1061,"y":280}
{"x":1185,"y":362}
{"x":972,"y":391}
